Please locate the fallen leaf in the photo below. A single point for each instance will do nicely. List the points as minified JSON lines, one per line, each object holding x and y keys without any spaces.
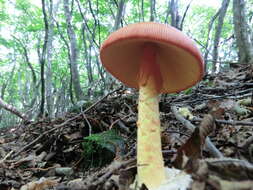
{"x":39,"y":185}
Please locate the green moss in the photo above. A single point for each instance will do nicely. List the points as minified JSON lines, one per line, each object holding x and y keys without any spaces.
{"x":100,"y":149}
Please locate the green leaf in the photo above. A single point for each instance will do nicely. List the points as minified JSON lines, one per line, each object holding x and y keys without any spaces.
{"x":100,"y":149}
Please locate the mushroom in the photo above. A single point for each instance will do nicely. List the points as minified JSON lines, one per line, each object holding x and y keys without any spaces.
{"x":154,"y":58}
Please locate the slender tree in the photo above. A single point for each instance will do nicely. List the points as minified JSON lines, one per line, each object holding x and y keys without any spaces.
{"x":174,"y":12}
{"x":73,"y":51}
{"x":218,"y":31}
{"x":210,"y":27}
{"x":48,"y":76}
{"x":243,"y":33}
{"x":42,"y":60}
{"x":120,"y":14}
{"x":152,"y":10}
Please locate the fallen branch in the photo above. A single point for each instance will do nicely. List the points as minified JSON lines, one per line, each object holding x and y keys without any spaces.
{"x":94,"y":181}
{"x":209,"y":145}
{"x":13,"y":110}
{"x":206,"y":97}
{"x":229,"y":122}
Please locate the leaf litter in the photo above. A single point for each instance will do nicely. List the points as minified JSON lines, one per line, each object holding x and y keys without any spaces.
{"x":206,"y":131}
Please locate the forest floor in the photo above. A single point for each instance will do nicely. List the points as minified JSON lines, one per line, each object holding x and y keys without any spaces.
{"x":207,"y":131}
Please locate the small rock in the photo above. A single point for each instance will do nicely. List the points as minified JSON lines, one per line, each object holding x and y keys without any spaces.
{"x":64,"y":171}
{"x":76,"y":184}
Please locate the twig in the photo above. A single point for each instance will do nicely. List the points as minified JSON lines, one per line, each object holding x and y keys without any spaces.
{"x":120,"y":123}
{"x":123,"y":126}
{"x":229,"y":122}
{"x":94,"y":181}
{"x":100,"y":100}
{"x":89,"y":125}
{"x":114,"y":166}
{"x":44,"y":134}
{"x":209,"y":145}
{"x":5,"y":158}
{"x":178,"y":132}
{"x":231,"y":96}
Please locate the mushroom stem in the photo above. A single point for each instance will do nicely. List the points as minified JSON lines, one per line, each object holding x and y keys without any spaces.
{"x":151,"y":170}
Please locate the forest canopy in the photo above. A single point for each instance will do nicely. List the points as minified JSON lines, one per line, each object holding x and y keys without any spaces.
{"x":49,"y":49}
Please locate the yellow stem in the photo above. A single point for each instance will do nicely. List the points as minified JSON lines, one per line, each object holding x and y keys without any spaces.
{"x":149,"y":152}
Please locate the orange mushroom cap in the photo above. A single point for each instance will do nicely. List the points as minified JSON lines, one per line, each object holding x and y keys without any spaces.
{"x":181,"y":64}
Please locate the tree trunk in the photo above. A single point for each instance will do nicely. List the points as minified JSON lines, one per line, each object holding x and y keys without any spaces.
{"x":175,"y":17}
{"x":120,"y":13}
{"x":87,"y":59}
{"x":242,"y":32}
{"x":42,"y":59}
{"x":152,"y":10}
{"x":34,"y":90}
{"x":210,"y":26}
{"x":73,"y":52}
{"x":88,"y":42}
{"x":142,"y":11}
{"x":218,"y":31}
{"x":48,"y":80}
{"x":61,"y":99}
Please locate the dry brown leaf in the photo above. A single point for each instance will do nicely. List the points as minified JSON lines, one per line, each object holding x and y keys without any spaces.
{"x":126,"y":177}
{"x":207,"y":126}
{"x":39,"y":185}
{"x":198,"y":185}
{"x":2,"y":140}
{"x":190,"y":150}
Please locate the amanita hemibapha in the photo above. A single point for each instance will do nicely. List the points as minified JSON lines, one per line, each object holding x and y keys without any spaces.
{"x":154,"y":58}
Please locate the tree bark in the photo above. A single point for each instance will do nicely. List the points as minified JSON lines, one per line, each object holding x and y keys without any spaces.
{"x":210,"y":26}
{"x":70,"y":88}
{"x":88,"y":38}
{"x":48,"y":79}
{"x":42,"y":59}
{"x":243,"y":33}
{"x":53,"y":7}
{"x":88,"y":60}
{"x":120,"y":13}
{"x":152,"y":10}
{"x":34,"y":90}
{"x":73,"y":52}
{"x":13,"y":110}
{"x":218,"y":31}
{"x":174,"y":12}
{"x":142,"y":10}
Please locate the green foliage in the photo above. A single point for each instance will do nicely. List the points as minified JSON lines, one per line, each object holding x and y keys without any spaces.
{"x":198,"y":20}
{"x":99,"y":149}
{"x":188,"y":91}
{"x":3,"y":15}
{"x":22,"y":25}
{"x":4,"y":42}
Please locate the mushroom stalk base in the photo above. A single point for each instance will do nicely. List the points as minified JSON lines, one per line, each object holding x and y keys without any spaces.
{"x":175,"y":180}
{"x":149,"y":154}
